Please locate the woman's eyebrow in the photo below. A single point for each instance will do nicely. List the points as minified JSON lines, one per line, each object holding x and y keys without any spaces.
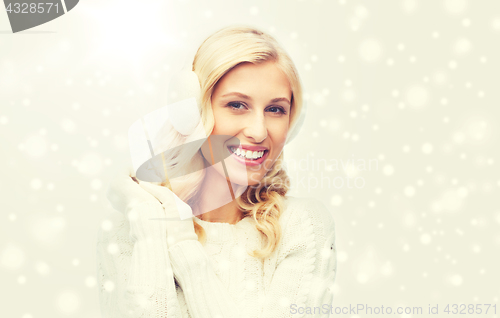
{"x":241,"y":95}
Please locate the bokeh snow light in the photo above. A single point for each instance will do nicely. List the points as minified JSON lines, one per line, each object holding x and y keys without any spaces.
{"x":417,"y":96}
{"x":48,"y":231}
{"x":370,"y":50}
{"x":12,"y":257}
{"x":68,"y":302}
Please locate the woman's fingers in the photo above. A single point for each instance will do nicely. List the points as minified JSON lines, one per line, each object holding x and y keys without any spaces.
{"x":161,"y":193}
{"x":174,"y":206}
{"x":123,"y":192}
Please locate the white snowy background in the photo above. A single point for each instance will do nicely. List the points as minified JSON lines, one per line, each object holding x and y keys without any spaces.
{"x":400,"y":141}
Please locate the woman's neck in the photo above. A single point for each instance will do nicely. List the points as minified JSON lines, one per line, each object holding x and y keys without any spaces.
{"x":214,"y":202}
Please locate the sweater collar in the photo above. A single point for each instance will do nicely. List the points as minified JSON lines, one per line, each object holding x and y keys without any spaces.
{"x":221,"y":231}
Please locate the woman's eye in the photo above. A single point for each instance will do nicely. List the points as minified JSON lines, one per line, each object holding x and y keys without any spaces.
{"x":236,"y":105}
{"x":277,"y":110}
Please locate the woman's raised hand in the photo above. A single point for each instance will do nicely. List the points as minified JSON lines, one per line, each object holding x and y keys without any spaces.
{"x":145,"y":213}
{"x":177,"y":229}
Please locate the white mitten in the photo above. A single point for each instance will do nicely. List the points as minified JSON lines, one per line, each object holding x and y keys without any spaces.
{"x":177,"y":229}
{"x":143,"y":210}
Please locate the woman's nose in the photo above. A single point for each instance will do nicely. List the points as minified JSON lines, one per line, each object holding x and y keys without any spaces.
{"x":256,"y":129}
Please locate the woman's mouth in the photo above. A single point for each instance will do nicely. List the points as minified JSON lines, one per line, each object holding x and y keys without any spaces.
{"x":248,"y":157}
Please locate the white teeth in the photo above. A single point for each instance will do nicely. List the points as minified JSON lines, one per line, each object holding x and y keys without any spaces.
{"x":247,"y":154}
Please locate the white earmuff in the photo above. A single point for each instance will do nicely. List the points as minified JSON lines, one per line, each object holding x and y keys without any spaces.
{"x":183,"y":98}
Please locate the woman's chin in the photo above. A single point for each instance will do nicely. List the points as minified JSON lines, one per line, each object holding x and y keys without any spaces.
{"x":249,"y":179}
{"x":254,"y":178}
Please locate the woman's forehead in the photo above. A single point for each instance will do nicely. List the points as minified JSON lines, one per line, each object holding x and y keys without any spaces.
{"x":254,"y":79}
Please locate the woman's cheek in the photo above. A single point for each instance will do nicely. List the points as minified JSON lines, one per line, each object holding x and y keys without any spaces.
{"x":283,"y":130}
{"x":279,"y":138}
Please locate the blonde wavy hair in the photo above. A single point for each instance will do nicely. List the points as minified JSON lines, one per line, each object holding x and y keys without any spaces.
{"x":216,"y":56}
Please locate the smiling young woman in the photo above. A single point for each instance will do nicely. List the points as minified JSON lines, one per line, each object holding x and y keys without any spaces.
{"x":263,"y":254}
{"x":251,"y":102}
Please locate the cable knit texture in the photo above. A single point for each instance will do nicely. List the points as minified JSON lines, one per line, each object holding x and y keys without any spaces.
{"x":219,"y":279}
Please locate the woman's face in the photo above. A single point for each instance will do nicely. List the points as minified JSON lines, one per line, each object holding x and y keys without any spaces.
{"x":251,"y":107}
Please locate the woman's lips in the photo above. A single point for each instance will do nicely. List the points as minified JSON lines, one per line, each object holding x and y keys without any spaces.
{"x":250,"y":162}
{"x":249,"y":147}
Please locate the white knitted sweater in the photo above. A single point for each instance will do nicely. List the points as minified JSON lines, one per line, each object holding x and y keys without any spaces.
{"x":219,"y":279}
